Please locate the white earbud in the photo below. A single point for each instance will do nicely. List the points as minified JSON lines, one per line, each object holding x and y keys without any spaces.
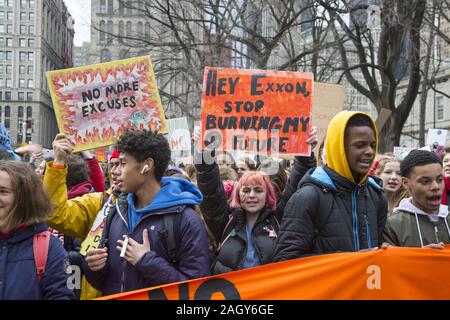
{"x":144,"y":168}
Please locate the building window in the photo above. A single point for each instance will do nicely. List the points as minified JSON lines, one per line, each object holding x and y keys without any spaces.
{"x":8,"y":83}
{"x":21,"y":96}
{"x":440,"y":108}
{"x":105,"y":55}
{"x":102,"y":6}
{"x":23,"y":4}
{"x":9,"y":55}
{"x":29,"y":112}
{"x":30,"y":83}
{"x":110,"y":31}
{"x":8,"y":69}
{"x":121,"y":31}
{"x":2,"y":28}
{"x":140,"y":29}
{"x":31,"y":4}
{"x":2,"y":15}
{"x":31,"y":43}
{"x":129,"y":29}
{"x":1,"y":71}
{"x":9,"y":28}
{"x":110,"y":6}
{"x":21,"y":83}
{"x":22,"y":42}
{"x":102,"y":32}
{"x":7,"y":113}
{"x":21,"y":69}
{"x":23,"y":29}
{"x":10,"y":15}
{"x":29,"y":96}
{"x":9,"y":42}
{"x":30,"y":70}
{"x":7,"y":96}
{"x":31,"y":29}
{"x":31,"y":16}
{"x":30,"y":56}
{"x":23,"y":16}
{"x":120,"y":7}
{"x":22,"y":56}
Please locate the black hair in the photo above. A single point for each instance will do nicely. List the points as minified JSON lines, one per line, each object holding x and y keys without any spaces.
{"x":417,"y":158}
{"x":144,"y":144}
{"x":359,"y":120}
{"x":77,"y":171}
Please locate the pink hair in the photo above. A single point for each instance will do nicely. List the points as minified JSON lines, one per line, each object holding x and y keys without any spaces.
{"x":255,"y":178}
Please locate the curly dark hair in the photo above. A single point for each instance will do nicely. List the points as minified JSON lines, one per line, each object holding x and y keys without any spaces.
{"x":417,"y":158}
{"x":144,"y":144}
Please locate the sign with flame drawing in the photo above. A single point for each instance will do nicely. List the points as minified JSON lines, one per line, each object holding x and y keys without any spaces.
{"x":95,"y":104}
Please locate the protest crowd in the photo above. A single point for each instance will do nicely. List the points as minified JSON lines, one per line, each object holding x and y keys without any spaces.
{"x":142,"y":221}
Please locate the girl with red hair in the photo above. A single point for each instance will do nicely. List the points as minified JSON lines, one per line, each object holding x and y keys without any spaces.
{"x":247,"y":230}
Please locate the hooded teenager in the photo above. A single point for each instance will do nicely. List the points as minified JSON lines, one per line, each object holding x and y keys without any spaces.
{"x":420,"y":221}
{"x":139,"y":216}
{"x":338,"y":207}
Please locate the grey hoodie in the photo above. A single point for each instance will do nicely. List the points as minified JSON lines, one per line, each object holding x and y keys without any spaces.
{"x":409,"y":226}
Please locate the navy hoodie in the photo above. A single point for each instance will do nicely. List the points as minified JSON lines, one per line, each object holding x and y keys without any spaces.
{"x":18,"y":278}
{"x":176,"y":196}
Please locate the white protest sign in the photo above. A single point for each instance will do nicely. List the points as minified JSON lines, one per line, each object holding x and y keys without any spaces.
{"x":437,"y":137}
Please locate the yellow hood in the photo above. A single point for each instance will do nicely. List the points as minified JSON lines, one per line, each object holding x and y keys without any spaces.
{"x":334,"y":142}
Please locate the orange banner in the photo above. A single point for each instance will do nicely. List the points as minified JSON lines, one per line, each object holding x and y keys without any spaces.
{"x":257,"y":111}
{"x":392,"y":273}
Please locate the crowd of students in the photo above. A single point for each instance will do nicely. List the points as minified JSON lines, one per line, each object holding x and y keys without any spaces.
{"x":154,"y":224}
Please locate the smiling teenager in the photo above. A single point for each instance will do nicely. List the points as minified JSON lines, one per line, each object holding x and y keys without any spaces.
{"x":338,"y":207}
{"x":389,"y":171}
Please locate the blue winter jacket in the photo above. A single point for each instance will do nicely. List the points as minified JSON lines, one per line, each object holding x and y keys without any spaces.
{"x":176,"y":196}
{"x":18,"y":278}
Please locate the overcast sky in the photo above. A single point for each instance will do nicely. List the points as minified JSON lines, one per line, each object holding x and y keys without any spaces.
{"x":80,"y":11}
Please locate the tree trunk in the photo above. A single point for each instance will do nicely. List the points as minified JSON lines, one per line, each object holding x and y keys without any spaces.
{"x":389,"y":136}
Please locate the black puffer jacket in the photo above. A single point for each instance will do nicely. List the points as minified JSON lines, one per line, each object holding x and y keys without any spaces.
{"x":354,"y":219}
{"x":229,"y":224}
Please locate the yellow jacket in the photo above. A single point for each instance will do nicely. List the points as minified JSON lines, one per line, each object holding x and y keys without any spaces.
{"x":72,"y":217}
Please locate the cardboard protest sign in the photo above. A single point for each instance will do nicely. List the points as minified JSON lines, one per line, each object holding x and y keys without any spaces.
{"x":257,"y":111}
{"x":328,"y":101}
{"x":179,"y":138}
{"x":101,"y":155}
{"x":94,"y":104}
{"x":436,"y":137}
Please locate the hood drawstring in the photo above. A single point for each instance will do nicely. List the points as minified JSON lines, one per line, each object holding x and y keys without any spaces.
{"x":448,"y":229}
{"x":418,"y":228}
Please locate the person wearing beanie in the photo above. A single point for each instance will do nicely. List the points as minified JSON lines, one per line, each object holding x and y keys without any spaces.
{"x":421,"y":220}
{"x":337,"y":207}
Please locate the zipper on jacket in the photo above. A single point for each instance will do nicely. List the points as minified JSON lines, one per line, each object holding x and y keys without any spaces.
{"x":369,"y":235}
{"x":355,"y":220}
{"x":435,"y":226}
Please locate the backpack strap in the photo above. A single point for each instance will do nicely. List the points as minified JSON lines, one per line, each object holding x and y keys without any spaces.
{"x":324,"y":210}
{"x":108,"y":221}
{"x":41,"y":243}
{"x":172,"y":222}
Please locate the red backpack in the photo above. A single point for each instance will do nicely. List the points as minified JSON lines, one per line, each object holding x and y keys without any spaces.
{"x":40,"y":250}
